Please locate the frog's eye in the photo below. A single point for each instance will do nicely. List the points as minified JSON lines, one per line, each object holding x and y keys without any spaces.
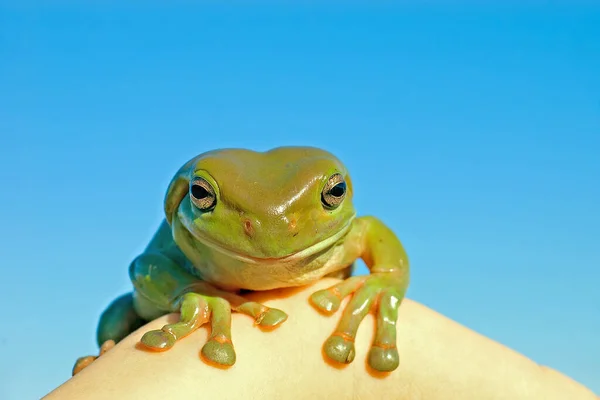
{"x":334,"y":191}
{"x":202,"y":194}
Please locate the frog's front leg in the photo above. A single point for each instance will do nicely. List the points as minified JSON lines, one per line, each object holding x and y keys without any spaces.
{"x":383,"y":289}
{"x":162,"y":286}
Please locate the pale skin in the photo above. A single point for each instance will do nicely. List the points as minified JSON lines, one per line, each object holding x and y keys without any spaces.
{"x":441,"y":360}
{"x":242,"y":220}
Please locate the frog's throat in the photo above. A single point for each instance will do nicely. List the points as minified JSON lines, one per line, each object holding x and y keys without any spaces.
{"x":293,"y":257}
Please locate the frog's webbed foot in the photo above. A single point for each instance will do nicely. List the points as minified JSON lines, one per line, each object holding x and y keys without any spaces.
{"x":198,"y":309}
{"x":382,"y":291}
{"x":84,"y":362}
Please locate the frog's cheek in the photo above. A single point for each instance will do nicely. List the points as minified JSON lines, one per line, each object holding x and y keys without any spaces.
{"x":185,"y":216}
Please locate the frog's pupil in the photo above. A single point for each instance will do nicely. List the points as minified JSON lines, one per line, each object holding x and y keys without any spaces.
{"x":199,"y":192}
{"x":338,"y":190}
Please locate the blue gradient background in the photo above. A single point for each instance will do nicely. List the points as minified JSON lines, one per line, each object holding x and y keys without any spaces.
{"x":473,"y":131}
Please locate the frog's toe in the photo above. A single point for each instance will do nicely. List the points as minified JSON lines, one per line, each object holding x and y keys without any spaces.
{"x":383,"y":355}
{"x":193,"y":310}
{"x":264,"y":316}
{"x":325,"y":301}
{"x":158,"y":340}
{"x":106,"y":346}
{"x":219,"y":350}
{"x":82,"y":362}
{"x":271,"y":318}
{"x":384,"y":359}
{"x":329,"y":300}
{"x":340,"y":345}
{"x":340,"y":348}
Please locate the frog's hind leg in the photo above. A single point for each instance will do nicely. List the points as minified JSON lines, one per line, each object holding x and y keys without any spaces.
{"x":116,"y":322}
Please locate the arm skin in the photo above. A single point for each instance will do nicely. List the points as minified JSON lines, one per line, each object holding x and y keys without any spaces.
{"x":440,"y":360}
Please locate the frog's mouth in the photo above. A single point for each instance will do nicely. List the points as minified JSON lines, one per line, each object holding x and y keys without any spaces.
{"x":313,"y":249}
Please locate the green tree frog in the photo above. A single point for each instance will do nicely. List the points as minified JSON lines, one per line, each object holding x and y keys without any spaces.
{"x":240,"y":220}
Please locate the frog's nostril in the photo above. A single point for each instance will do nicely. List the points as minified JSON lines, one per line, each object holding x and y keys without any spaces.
{"x":292,"y":224}
{"x":248,"y":228}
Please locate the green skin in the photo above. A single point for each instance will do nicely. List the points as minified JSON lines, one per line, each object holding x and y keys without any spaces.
{"x":243,"y":220}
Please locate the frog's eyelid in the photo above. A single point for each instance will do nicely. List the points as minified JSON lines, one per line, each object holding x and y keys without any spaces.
{"x":207,"y":177}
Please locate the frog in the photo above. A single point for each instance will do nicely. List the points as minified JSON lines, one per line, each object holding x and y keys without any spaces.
{"x":239,"y":220}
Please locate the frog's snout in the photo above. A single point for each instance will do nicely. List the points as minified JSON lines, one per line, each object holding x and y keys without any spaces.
{"x":281,"y":227}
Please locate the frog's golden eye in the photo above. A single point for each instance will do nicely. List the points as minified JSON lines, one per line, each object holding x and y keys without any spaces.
{"x":334,"y":191}
{"x":202,"y":194}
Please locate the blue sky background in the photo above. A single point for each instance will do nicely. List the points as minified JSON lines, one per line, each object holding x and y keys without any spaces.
{"x":473,"y":131}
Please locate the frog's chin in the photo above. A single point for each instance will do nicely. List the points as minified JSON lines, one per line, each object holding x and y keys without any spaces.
{"x":292,"y":257}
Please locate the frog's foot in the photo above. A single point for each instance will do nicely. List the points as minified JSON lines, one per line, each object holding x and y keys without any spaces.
{"x":196,"y":310}
{"x":83,"y":362}
{"x":382,"y":291}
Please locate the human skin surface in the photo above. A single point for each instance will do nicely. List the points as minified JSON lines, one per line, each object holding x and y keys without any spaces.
{"x":440,"y":360}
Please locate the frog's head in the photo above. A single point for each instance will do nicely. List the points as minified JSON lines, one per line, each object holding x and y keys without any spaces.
{"x":286,"y":202}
